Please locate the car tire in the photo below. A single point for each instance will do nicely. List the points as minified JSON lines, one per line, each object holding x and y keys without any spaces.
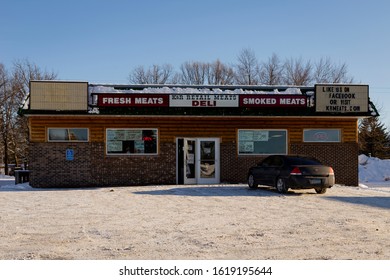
{"x":320,"y":190}
{"x":280,"y":185}
{"x":252,"y":182}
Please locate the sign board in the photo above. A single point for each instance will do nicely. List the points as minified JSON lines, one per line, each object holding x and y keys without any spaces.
{"x":202,"y":100}
{"x":69,"y":154}
{"x":133,"y":100}
{"x":272,"y":100}
{"x":57,"y":95}
{"x":339,"y":98}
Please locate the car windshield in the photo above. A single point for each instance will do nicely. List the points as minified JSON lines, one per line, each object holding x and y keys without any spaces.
{"x":303,"y":161}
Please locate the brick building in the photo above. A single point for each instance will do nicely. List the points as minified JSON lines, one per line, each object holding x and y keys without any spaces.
{"x":89,"y":135}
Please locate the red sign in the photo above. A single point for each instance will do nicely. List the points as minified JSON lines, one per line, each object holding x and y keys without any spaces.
{"x":133,"y":100}
{"x":167,"y":100}
{"x":274,"y":100}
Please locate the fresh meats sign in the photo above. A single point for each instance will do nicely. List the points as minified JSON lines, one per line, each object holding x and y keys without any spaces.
{"x":201,"y":100}
{"x":133,"y":100}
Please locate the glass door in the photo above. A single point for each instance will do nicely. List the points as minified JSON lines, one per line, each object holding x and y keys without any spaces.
{"x":197,"y":161}
{"x":207,"y":155}
{"x":189,"y":149}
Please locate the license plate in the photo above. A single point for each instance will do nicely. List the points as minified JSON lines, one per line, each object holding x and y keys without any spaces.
{"x":315,"y":181}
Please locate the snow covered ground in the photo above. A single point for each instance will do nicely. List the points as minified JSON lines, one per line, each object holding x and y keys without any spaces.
{"x":374,"y":173}
{"x":198,"y":221}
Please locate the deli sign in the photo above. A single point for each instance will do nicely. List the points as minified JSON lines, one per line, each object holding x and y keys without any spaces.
{"x":201,"y":100}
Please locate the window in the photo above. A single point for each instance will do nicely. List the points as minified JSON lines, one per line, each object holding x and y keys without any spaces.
{"x":321,"y":135}
{"x":128,"y":141}
{"x":68,"y":134}
{"x":262,"y":142}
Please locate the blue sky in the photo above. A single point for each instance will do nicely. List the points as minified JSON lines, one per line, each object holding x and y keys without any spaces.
{"x":102,"y":41}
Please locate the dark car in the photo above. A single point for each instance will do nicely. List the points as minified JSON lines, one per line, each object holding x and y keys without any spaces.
{"x":291,"y":172}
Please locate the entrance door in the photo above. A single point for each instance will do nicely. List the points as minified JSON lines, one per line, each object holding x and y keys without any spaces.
{"x":189,"y":161}
{"x":197,"y":161}
{"x":207,"y":160}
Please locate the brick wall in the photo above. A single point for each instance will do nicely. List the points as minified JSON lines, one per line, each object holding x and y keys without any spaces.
{"x":343,"y":157}
{"x":234,"y":169}
{"x":51,"y":169}
{"x":92,"y":168}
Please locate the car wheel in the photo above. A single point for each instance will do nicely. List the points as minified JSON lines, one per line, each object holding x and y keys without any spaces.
{"x":281,"y":185}
{"x":251,"y":182}
{"x":320,"y":190}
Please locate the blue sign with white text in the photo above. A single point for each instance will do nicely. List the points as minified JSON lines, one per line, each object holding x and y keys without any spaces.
{"x":69,"y":154}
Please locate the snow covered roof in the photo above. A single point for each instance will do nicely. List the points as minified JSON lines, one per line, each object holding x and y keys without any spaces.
{"x":200,"y":89}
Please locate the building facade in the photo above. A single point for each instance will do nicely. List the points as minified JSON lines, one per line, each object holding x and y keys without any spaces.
{"x":88,"y":135}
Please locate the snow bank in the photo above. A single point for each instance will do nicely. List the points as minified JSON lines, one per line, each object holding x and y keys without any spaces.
{"x":7,"y":183}
{"x":372,"y":169}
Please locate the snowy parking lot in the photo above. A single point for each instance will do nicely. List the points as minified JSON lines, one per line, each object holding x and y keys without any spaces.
{"x":195,"y":222}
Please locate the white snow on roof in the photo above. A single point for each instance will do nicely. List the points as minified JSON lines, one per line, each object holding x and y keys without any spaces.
{"x":190,"y":90}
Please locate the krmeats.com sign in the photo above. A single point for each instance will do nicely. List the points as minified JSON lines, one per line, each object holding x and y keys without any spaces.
{"x":338,"y":98}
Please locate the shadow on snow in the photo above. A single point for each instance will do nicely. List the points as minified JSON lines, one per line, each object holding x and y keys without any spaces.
{"x":373,"y":201}
{"x":221,"y":191}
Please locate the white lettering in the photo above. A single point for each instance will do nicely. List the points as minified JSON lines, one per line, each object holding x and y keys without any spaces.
{"x":259,"y":101}
{"x":149,"y":100}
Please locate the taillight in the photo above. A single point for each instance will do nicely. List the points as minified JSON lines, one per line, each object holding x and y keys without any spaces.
{"x":331,"y":172}
{"x":296,"y":171}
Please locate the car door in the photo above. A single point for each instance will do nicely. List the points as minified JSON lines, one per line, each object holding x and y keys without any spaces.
{"x":275,"y":169}
{"x":262,"y":171}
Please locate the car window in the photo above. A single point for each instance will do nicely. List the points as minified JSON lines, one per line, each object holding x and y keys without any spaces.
{"x":303,"y":161}
{"x":277,"y":161}
{"x":267,"y":161}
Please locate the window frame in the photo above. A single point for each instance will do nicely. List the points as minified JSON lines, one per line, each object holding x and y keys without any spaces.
{"x":261,"y":154}
{"x":339,"y":130}
{"x":131,"y":154}
{"x":67,"y":141}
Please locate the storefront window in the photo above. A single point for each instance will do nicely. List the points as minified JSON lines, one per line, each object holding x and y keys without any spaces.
{"x":131,"y":141}
{"x":321,"y":135}
{"x":68,"y":134}
{"x":262,"y":142}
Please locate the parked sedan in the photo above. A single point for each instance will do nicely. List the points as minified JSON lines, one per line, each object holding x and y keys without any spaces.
{"x":291,"y":172}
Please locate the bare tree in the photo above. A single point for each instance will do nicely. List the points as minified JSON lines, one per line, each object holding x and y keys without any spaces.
{"x":194,"y":73}
{"x":271,"y":72}
{"x":14,"y":128}
{"x":247,"y":71}
{"x":4,"y":90}
{"x":156,"y":74}
{"x":327,"y":72}
{"x":247,"y":68}
{"x":23,"y":72}
{"x":9,"y":102}
{"x":138,"y":75}
{"x":220,"y":74}
{"x":297,"y":72}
